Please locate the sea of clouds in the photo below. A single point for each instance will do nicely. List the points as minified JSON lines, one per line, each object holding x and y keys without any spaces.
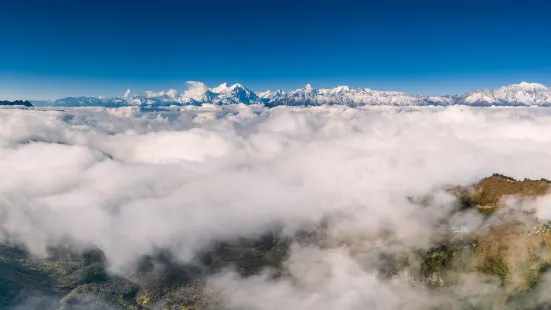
{"x":130,"y":182}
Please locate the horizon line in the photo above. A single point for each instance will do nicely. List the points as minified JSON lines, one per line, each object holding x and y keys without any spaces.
{"x":150,"y":93}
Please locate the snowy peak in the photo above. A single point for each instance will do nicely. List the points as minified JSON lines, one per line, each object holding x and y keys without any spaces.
{"x":334,"y":91}
{"x":523,"y":86}
{"x":307,"y":90}
{"x":270,"y":94}
{"x":522,"y":94}
{"x":224,"y":94}
{"x":225,"y":88}
{"x":340,"y":89}
{"x":220,"y":88}
{"x":526,"y":85}
{"x":237,"y":86}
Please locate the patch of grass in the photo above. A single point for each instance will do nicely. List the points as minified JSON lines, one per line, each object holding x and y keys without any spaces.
{"x":489,"y":191}
{"x":487,"y":210}
{"x":534,"y":276}
{"x":436,"y":260}
{"x":496,"y":266}
{"x":486,"y":195}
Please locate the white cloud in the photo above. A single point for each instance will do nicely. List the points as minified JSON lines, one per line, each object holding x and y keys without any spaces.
{"x":130,"y":182}
{"x":172,"y":93}
{"x":152,"y":94}
{"x":195,"y":90}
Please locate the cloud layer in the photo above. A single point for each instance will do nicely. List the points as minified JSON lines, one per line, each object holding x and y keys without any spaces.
{"x":131,"y":182}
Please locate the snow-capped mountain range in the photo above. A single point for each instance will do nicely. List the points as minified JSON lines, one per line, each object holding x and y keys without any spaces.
{"x":522,"y":94}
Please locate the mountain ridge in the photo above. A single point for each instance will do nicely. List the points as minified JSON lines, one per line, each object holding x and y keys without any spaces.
{"x":522,"y":94}
{"x":15,"y":103}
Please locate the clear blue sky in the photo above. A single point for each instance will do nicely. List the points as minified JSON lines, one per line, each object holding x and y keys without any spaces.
{"x":51,"y":48}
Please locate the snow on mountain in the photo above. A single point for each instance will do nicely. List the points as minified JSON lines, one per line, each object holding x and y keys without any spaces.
{"x":220,"y":88}
{"x":234,"y":94}
{"x":267,"y":96}
{"x":522,"y":94}
{"x":352,"y":97}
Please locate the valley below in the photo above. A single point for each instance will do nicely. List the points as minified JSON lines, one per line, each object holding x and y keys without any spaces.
{"x":508,"y":255}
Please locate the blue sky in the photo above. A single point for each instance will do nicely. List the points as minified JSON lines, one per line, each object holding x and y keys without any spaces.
{"x":57,"y":48}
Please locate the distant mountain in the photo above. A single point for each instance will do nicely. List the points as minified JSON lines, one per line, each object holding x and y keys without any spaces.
{"x":224,"y":94}
{"x":89,"y":102}
{"x":16,"y":103}
{"x":522,"y":94}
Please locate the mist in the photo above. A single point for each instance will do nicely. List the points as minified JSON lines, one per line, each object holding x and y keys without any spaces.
{"x":130,"y":182}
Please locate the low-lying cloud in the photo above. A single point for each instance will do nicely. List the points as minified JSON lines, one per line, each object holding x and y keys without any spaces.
{"x":130,"y":182}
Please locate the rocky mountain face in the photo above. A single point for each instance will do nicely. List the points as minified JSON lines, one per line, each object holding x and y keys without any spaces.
{"x":523,"y":94}
{"x":511,"y":251}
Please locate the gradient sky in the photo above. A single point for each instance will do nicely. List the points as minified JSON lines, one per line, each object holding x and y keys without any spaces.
{"x":51,"y":49}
